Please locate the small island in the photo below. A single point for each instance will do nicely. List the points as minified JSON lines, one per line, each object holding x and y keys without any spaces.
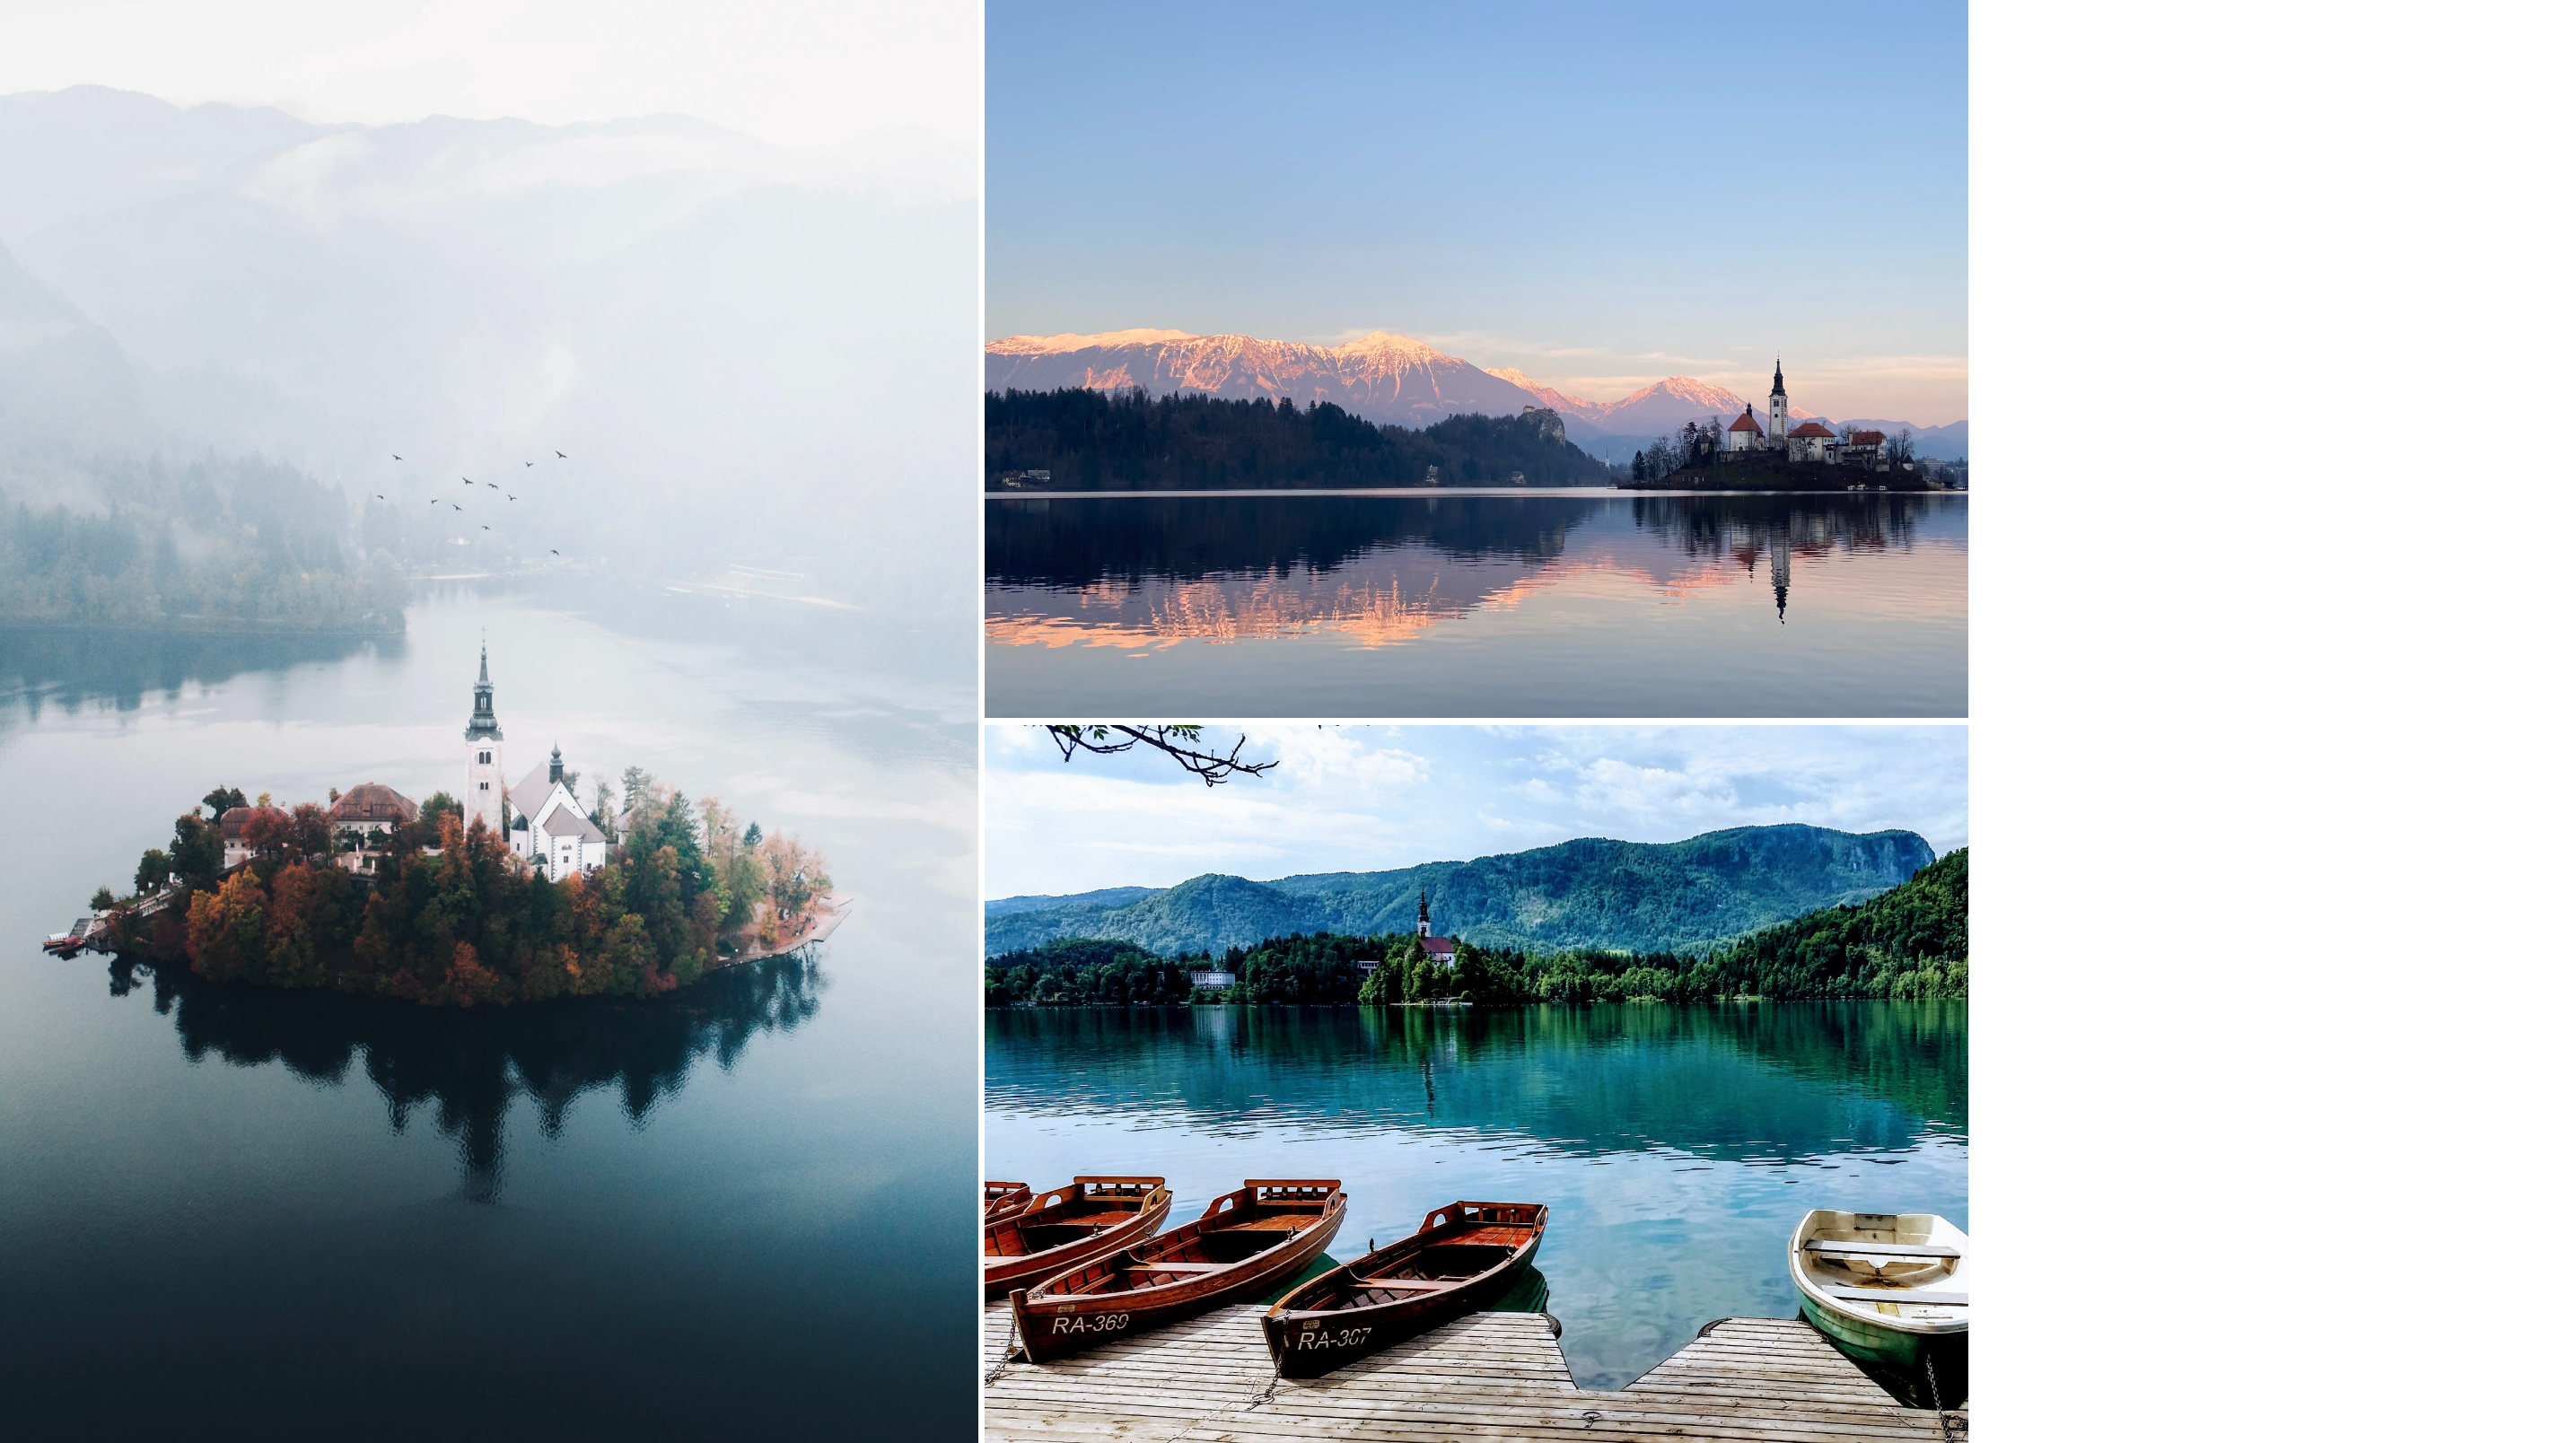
{"x":1743,"y":454}
{"x":516,"y":894}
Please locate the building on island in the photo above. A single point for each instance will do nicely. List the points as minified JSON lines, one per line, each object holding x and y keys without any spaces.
{"x":1217,"y":978}
{"x":1440,"y":950}
{"x":540,"y":818}
{"x":1746,"y":433}
{"x":548,"y":826}
{"x":235,"y":824}
{"x":363,"y":819}
{"x":1812,"y":441}
{"x":485,"y":796}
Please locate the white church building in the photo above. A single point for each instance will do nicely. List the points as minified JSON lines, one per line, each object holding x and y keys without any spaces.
{"x":541,"y":819}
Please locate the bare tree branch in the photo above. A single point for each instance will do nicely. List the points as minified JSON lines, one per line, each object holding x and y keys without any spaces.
{"x":1176,"y":742}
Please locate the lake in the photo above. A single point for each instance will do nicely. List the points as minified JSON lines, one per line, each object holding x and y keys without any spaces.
{"x":743,"y":1209}
{"x":1411,"y":604}
{"x":1676,"y":1147}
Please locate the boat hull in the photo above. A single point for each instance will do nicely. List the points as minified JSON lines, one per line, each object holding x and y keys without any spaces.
{"x":1308,"y":1338}
{"x":1057,"y":1327}
{"x":1004,"y":1272}
{"x":1895,"y":1351}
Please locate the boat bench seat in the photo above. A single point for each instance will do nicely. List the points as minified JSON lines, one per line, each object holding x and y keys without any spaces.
{"x":1823,"y":1248}
{"x":1898,"y":1295}
{"x":1402,"y":1285}
{"x":1180,"y":1267}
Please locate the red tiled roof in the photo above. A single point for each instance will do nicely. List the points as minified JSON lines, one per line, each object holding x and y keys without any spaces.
{"x":1746,"y":422}
{"x":1438,"y":944}
{"x":1868,"y":438}
{"x":374,"y":802}
{"x":1813,"y":428}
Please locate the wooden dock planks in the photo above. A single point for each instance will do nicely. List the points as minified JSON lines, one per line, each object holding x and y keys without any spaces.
{"x":1487,"y":1376}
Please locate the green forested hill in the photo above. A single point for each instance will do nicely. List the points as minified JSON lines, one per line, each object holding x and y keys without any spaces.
{"x":1637,"y":896}
{"x":1909,"y":942}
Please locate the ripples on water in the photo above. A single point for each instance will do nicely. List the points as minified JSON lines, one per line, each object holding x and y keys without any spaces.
{"x":1521,"y":605}
{"x":1675,"y":1146}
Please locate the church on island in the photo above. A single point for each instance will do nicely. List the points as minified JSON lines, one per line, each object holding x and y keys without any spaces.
{"x":1810,"y":441}
{"x":541,"y":818}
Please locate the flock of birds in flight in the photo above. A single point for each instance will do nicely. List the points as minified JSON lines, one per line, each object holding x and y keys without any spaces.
{"x":468,"y":480}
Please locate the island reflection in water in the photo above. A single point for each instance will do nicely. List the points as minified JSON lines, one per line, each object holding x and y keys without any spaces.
{"x":1539,"y":605}
{"x":1676,"y":1146}
{"x":466,"y":1067}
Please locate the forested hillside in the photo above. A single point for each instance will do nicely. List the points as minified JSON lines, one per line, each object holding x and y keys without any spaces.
{"x":208,"y":545}
{"x":1910,"y":943}
{"x":1091,"y":440}
{"x":1594,"y":892}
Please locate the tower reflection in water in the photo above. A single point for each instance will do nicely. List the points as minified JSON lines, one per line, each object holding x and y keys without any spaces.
{"x":466,"y":1067}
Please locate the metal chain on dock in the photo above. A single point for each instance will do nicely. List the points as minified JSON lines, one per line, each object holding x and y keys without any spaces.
{"x":1010,"y":1344}
{"x":1947,"y":1417}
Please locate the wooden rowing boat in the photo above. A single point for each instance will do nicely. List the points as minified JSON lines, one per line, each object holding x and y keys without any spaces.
{"x":1248,"y":1242}
{"x":1004,"y":1199}
{"x":1465,"y":1256}
{"x":1889,"y":1289}
{"x":1086,"y":1218}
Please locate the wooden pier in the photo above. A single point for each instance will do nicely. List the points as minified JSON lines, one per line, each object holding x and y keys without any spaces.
{"x":1489,"y":1376}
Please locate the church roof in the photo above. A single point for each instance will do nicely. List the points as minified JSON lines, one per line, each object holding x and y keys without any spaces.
{"x":374,"y":802}
{"x":1437,"y":945}
{"x":569,"y":823}
{"x":530,"y":793}
{"x":1746,"y":422}
{"x":1813,"y":428}
{"x":1867,"y":438}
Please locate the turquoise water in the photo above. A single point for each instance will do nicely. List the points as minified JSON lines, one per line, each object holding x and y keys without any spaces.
{"x":1676,"y":1147}
{"x":741,"y":1210}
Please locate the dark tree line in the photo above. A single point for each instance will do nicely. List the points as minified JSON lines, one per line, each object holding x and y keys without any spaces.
{"x":1910,"y":942}
{"x":1126,"y":440}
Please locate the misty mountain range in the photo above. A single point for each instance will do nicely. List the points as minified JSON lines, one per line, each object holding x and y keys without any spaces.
{"x":728,"y":344}
{"x":1380,"y":377}
{"x":1640,"y":896}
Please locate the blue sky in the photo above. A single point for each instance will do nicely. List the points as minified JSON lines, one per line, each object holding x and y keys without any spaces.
{"x":1364,"y":798}
{"x":1602,"y":196}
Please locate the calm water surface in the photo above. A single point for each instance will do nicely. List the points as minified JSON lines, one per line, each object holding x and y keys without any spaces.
{"x":1417,"y":605}
{"x":737,"y":1211}
{"x":1676,"y":1147}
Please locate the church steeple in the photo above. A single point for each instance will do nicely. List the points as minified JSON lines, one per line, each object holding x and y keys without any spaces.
{"x":1779,"y":436}
{"x":1778,"y":386}
{"x":484,"y":724}
{"x":1422,"y":916}
{"x":554,"y":768}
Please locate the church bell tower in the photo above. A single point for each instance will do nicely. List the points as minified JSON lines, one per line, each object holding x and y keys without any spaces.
{"x":1779,"y":407}
{"x":484,"y":790}
{"x":1422,"y":917}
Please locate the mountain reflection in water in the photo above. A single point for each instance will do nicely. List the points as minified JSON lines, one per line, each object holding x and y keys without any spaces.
{"x":1845,"y":585}
{"x":466,"y":1067}
{"x":1676,"y":1146}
